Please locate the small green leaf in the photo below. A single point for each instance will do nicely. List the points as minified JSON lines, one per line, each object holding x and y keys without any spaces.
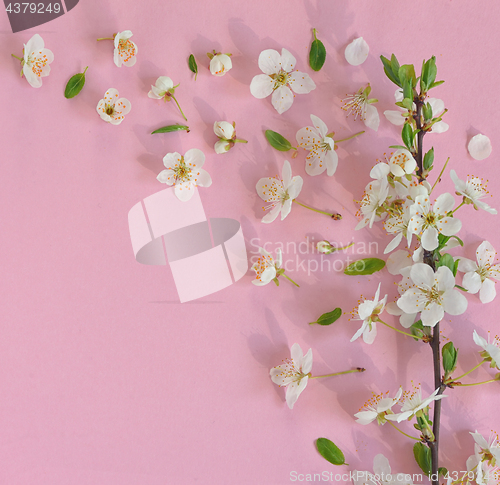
{"x":427,"y":111}
{"x":407,"y":90}
{"x":193,"y":66}
{"x":391,"y":73}
{"x":171,"y":128}
{"x":429,"y":159}
{"x":277,"y":141}
{"x":407,"y":73}
{"x":450,"y":355}
{"x":398,"y":147}
{"x":422,"y":454}
{"x":364,"y":267}
{"x":407,"y":103}
{"x":443,"y":471}
{"x":455,"y":267}
{"x":317,"y":54}
{"x":75,"y":84}
{"x":328,"y":318}
{"x":330,"y":451}
{"x":417,"y":329}
{"x":429,"y":72}
{"x":446,"y":260}
{"x":407,"y":135}
{"x":437,"y":83}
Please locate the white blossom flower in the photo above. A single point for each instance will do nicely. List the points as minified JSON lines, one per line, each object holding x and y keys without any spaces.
{"x":226,"y":133}
{"x":413,"y":403}
{"x":220,"y":64}
{"x":358,"y":104}
{"x":472,"y":190}
{"x":398,"y":117}
{"x":113,"y":108}
{"x":266,"y":267}
{"x":322,"y":155}
{"x":433,"y":294}
{"x":397,"y":225}
{"x":293,"y":373}
{"x":324,"y":247}
{"x":487,"y":451}
{"x":402,"y":163}
{"x":491,"y":350}
{"x":280,"y":79}
{"x":369,"y":312}
{"x":36,"y":61}
{"x":428,"y":222}
{"x":382,"y":474}
{"x":279,"y":193}
{"x":479,"y":276}
{"x":185,"y":173}
{"x":357,"y":52}
{"x":125,"y":52}
{"x":377,"y":408}
{"x":162,"y":88}
{"x":375,"y":195}
{"x":479,"y":147}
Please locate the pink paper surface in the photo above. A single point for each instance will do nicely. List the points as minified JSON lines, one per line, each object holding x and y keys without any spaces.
{"x":106,"y":377}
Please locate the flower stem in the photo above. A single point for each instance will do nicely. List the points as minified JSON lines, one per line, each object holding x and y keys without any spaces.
{"x":402,"y":432}
{"x":290,"y":279}
{"x":179,"y":106}
{"x":106,"y":38}
{"x":13,"y":55}
{"x":458,"y":207}
{"x":474,"y":383}
{"x":469,"y":371}
{"x":397,"y":329}
{"x":350,"y":137}
{"x":239,"y":140}
{"x":440,"y":175}
{"x":333,"y":216}
{"x":358,"y":369}
{"x":314,"y":33}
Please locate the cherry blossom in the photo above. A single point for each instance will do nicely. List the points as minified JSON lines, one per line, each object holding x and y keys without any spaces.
{"x":36,"y":61}
{"x":113,"y":108}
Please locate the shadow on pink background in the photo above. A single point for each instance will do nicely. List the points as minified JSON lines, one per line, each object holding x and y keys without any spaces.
{"x":106,"y":378}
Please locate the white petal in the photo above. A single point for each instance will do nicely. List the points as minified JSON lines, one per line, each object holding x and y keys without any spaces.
{"x":35,"y":44}
{"x":301,"y":83}
{"x":449,"y":226}
{"x":472,"y":282}
{"x":201,"y":178}
{"x":125,"y":35}
{"x":369,"y":335}
{"x":454,"y":302}
{"x":164,"y":83}
{"x":220,"y":64}
{"x":485,"y":254}
{"x":194,"y":157}
{"x":165,"y":177}
{"x":263,"y":186}
{"x":372,"y":119}
{"x":488,"y":291}
{"x":380,"y":171}
{"x":293,"y":391}
{"x":286,"y":174}
{"x":430,"y":239}
{"x":295,"y":187}
{"x":466,"y":265}
{"x":394,"y":244}
{"x":307,"y":138}
{"x":331,"y":161}
{"x":221,"y":146}
{"x":365,"y":417}
{"x":271,"y":215}
{"x":444,"y":204}
{"x":393,"y":309}
{"x":184,"y":191}
{"x":359,"y":332}
{"x":286,"y":208}
{"x":395,"y":117}
{"x":171,"y":159}
{"x":412,"y":301}
{"x":307,"y":362}
{"x":34,"y":80}
{"x":270,"y":62}
{"x":437,"y":106}
{"x":422,"y":275}
{"x":440,"y":127}
{"x":407,"y":319}
{"x":398,"y":260}
{"x":287,"y":60}
{"x":296,"y":354}
{"x":432,"y":314}
{"x":320,"y":126}
{"x":357,"y":52}
{"x":154,"y":93}
{"x":224,"y":129}
{"x":261,"y":86}
{"x":445,"y":279}
{"x":267,"y":275}
{"x":282,"y":99}
{"x":479,"y":147}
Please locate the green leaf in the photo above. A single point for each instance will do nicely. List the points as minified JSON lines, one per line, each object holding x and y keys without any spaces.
{"x":328,"y":318}
{"x":437,"y":83}
{"x":394,"y":64}
{"x":407,"y":92}
{"x":455,"y":267}
{"x":407,"y":135}
{"x":407,"y":73}
{"x":427,"y":111}
{"x":364,"y":267}
{"x":407,"y":103}
{"x":446,"y":260}
{"x":417,"y":329}
{"x":330,"y":451}
{"x":429,"y":73}
{"x":450,"y":355}
{"x":458,"y":239}
{"x":389,"y":72}
{"x":317,"y":54}
{"x":277,"y":141}
{"x":171,"y":128}
{"x":443,"y":471}
{"x":75,"y":84}
{"x":193,"y":66}
{"x":422,"y":454}
{"x":398,"y":147}
{"x":429,"y":159}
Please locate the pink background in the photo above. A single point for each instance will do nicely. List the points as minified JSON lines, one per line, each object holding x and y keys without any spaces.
{"x":105,"y":377}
